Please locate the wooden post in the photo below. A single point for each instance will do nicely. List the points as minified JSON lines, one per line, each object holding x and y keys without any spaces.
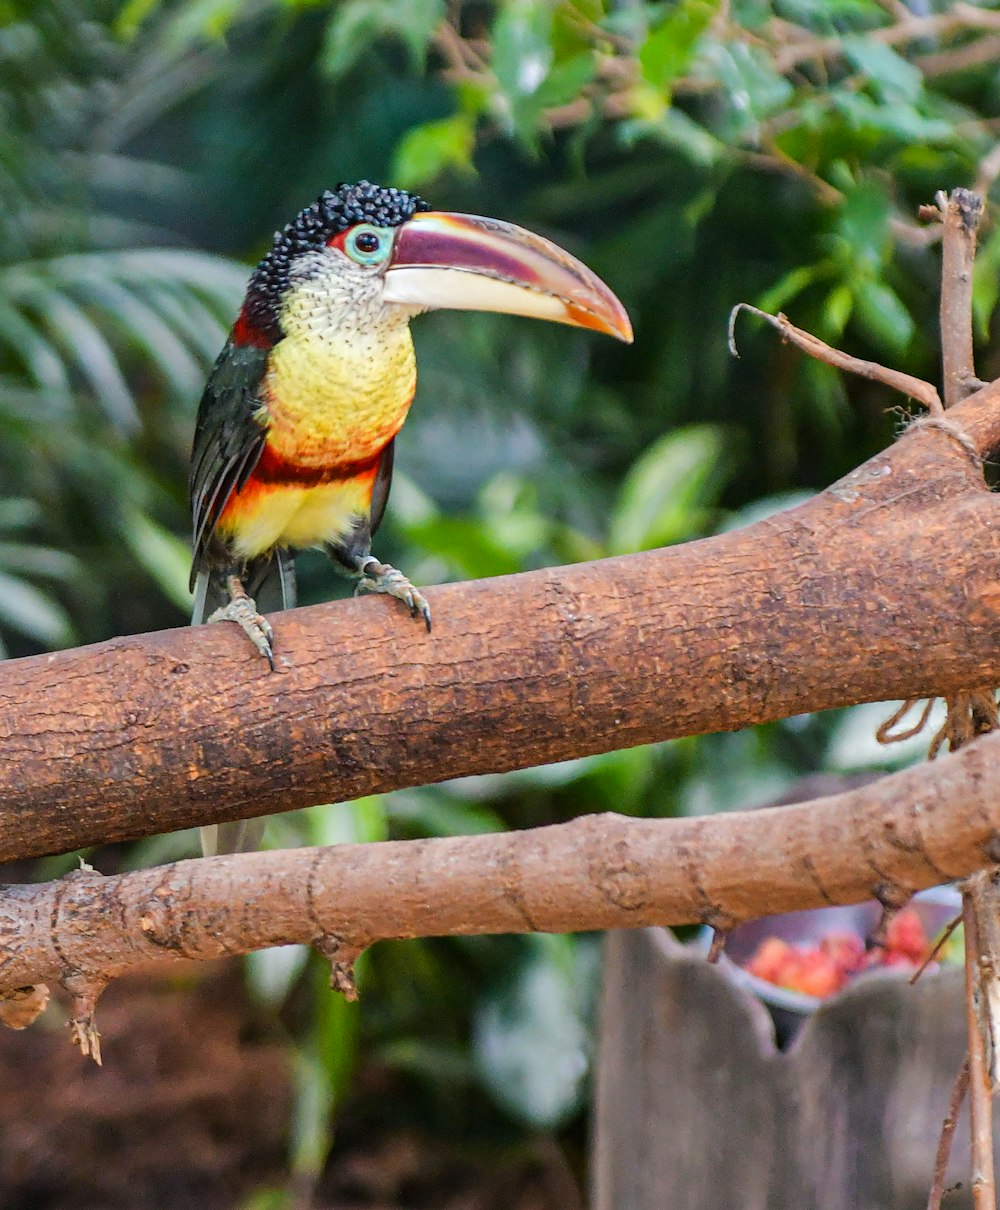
{"x":696,"y":1108}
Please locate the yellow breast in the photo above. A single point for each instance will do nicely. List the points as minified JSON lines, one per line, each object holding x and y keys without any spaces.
{"x":338,"y":387}
{"x":337,"y":396}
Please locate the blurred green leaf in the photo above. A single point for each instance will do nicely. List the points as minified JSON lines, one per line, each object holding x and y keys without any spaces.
{"x":165,"y":557}
{"x":670,"y":47}
{"x":754,"y":89}
{"x":899,"y":120}
{"x":272,"y":972}
{"x":674,"y":128}
{"x":665,"y":492}
{"x":428,"y":150}
{"x":34,"y":613}
{"x":355,"y":24}
{"x":986,"y":282}
{"x":862,"y":226}
{"x":532,"y":1036}
{"x":431,"y":813}
{"x":884,"y":315}
{"x":837,"y":311}
{"x":894,"y":79}
{"x":567,"y":80}
{"x":789,"y":287}
{"x":522,"y":46}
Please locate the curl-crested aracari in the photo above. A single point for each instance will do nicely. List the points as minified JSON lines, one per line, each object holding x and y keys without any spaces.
{"x":293,"y":444}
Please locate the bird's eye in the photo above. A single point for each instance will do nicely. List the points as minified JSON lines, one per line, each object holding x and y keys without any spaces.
{"x":368,"y":245}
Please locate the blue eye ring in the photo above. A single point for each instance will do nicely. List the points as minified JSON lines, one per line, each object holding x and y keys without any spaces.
{"x":367,"y":244}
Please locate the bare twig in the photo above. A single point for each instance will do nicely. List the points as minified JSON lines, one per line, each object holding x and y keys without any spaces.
{"x":958,"y":1094}
{"x":980,"y":1091}
{"x":958,"y":18}
{"x":970,"y":54}
{"x":885,"y":733}
{"x":720,"y":938}
{"x":969,"y":714}
{"x":938,"y":946}
{"x":915,"y":388}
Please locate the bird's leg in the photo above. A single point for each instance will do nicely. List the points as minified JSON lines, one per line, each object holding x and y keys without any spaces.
{"x":374,"y":576}
{"x":242,"y":610}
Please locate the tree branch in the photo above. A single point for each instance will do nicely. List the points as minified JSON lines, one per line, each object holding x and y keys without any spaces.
{"x":960,"y":213}
{"x":924,"y":826}
{"x":883,"y":586}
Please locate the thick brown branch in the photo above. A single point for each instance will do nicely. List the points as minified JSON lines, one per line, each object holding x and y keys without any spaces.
{"x":927,"y":825}
{"x":883,"y":586}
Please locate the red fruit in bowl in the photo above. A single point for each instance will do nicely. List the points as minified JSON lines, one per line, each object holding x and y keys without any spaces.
{"x":845,"y":950}
{"x":813,"y":973}
{"x":905,"y":935}
{"x":895,"y":958}
{"x":769,"y":959}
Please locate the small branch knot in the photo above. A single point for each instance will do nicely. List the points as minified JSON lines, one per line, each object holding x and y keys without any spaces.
{"x":23,"y":1006}
{"x":342,"y":955}
{"x":85,"y":990}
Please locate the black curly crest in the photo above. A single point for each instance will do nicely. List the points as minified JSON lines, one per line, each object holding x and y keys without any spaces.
{"x":310,"y":231}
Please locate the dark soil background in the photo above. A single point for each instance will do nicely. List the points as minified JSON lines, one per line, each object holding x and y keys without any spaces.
{"x":192,"y":1109}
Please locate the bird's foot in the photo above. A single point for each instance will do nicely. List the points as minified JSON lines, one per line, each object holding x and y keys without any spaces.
{"x":242,"y":610}
{"x":381,"y":577}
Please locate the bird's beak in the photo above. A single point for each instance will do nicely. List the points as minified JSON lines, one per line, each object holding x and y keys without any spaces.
{"x":466,"y":263}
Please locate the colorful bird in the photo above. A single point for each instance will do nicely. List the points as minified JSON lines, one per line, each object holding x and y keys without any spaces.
{"x":293,"y":444}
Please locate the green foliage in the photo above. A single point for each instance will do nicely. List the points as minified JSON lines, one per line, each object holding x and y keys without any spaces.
{"x":532,"y":1035}
{"x":430,"y":149}
{"x":697,"y":155}
{"x":354,"y":25}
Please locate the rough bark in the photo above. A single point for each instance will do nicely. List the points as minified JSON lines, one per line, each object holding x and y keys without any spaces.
{"x":915,"y":829}
{"x":885,"y":585}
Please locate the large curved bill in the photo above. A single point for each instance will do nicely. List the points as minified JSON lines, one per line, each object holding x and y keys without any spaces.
{"x":466,"y":263}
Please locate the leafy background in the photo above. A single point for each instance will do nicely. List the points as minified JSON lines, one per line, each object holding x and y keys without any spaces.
{"x":696,"y":153}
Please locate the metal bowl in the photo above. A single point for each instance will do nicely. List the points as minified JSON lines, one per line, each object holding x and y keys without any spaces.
{"x":936,"y":909}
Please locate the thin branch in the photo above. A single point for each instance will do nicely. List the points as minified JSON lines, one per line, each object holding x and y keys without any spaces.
{"x":958,"y":1095}
{"x":958,"y":18}
{"x":960,"y":214}
{"x":885,"y":733}
{"x":914,"y":388}
{"x":980,"y":1090}
{"x":939,"y":945}
{"x":976,"y":53}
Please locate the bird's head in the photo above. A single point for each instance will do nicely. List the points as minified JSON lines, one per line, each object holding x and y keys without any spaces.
{"x":384,"y":254}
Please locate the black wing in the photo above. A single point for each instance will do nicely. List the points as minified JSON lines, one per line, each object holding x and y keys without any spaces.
{"x":228,"y":440}
{"x":380,"y":492}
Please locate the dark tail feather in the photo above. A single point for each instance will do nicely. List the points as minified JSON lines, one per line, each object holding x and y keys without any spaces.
{"x":271,"y":583}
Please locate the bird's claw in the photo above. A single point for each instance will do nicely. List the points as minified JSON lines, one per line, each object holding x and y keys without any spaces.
{"x":243,"y":611}
{"x":382,"y":577}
